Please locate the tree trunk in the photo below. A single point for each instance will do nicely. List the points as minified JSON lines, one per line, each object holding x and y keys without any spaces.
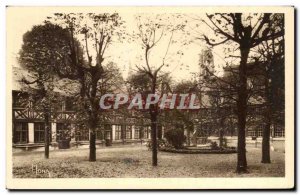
{"x":93,"y":126}
{"x":221,"y":133}
{"x":153,"y":115}
{"x":93,"y":118}
{"x":267,"y":130}
{"x":266,"y":144}
{"x":92,"y":146}
{"x":221,"y":138}
{"x":242,"y":111}
{"x":46,"y":133}
{"x":242,"y":161}
{"x":154,"y":138}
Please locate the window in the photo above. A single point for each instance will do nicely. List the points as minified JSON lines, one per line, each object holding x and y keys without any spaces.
{"x":252,"y":133}
{"x":259,"y":131}
{"x":81,"y":132}
{"x":99,"y":134}
{"x":103,"y":132}
{"x":21,"y":133}
{"x":108,"y":131}
{"x":62,"y":130}
{"x":128,"y":132}
{"x":118,"y":132}
{"x":82,"y":135}
{"x":69,"y":104}
{"x":255,"y":131}
{"x":137,"y":132}
{"x":39,"y":132}
{"x":20,"y":99}
{"x":278,"y":131}
{"x":147,"y":132}
{"x":107,"y":134}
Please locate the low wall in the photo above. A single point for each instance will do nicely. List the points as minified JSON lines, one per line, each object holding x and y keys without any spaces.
{"x":81,"y":144}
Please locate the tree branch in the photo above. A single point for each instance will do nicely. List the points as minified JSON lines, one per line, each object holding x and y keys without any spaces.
{"x":221,"y":31}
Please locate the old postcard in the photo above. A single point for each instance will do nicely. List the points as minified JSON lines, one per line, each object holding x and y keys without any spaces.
{"x":150,"y":97}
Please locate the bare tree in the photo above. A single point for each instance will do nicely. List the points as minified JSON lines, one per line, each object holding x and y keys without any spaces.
{"x":271,"y":62}
{"x":151,"y":33}
{"x":247,"y":31}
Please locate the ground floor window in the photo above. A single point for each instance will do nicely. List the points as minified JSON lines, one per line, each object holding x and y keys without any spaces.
{"x":278,"y":131}
{"x":128,"y":134}
{"x":21,"y":132}
{"x":118,"y":133}
{"x":108,"y":131}
{"x":137,"y":130}
{"x":147,"y":132}
{"x":81,"y":132}
{"x":63,"y":130}
{"x":99,"y":134}
{"x":255,"y":131}
{"x":259,"y":131}
{"x":39,"y":132}
{"x":82,"y":135}
{"x":252,"y":133}
{"x":103,"y":132}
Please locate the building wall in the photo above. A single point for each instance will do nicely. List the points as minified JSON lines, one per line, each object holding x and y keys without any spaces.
{"x":28,"y":127}
{"x":33,"y":133}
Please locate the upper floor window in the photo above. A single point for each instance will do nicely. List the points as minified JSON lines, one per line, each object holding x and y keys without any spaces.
{"x":69,"y":104}
{"x":20,"y":100}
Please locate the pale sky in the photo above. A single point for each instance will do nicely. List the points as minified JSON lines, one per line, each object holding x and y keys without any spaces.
{"x":125,"y":54}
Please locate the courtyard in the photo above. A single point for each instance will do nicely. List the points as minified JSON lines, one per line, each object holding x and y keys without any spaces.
{"x":135,"y":161}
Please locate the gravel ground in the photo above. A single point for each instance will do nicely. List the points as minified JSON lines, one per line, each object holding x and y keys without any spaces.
{"x":136,"y":162}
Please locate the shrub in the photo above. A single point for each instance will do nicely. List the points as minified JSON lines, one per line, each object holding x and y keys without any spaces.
{"x":224,"y":142}
{"x":160,"y":144}
{"x":176,"y":138}
{"x":214,"y":146}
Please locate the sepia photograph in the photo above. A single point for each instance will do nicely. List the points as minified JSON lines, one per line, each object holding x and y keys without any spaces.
{"x":150,"y":97}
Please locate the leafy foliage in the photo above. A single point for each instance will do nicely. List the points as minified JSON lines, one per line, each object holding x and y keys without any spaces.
{"x":46,"y":51}
{"x":175,"y":137}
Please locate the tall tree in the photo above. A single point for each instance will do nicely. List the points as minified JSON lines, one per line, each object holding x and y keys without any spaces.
{"x":247,"y":31}
{"x":271,"y":63}
{"x":97,"y":33}
{"x":44,"y":50}
{"x":155,"y":32}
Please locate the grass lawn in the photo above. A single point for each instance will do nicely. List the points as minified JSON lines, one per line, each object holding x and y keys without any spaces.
{"x":136,"y":162}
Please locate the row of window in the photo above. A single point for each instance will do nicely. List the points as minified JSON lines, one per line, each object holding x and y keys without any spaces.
{"x":258,"y":132}
{"x":21,"y":134}
{"x":125,"y":132}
